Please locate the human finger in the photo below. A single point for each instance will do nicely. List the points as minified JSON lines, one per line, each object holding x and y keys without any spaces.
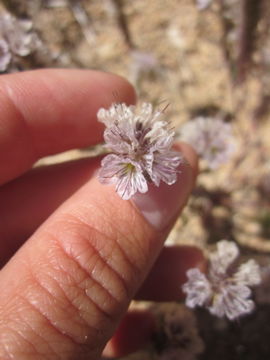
{"x":26,"y":202}
{"x":44,"y":112}
{"x":66,"y":289}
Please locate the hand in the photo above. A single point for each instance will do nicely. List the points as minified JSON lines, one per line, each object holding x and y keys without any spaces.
{"x":81,"y":252}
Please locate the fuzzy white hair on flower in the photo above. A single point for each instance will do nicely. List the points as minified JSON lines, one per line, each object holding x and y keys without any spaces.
{"x":140,"y":140}
{"x":224,"y":291}
{"x":211,"y":138}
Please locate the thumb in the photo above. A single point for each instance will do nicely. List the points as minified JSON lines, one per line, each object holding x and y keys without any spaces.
{"x":64,"y":292}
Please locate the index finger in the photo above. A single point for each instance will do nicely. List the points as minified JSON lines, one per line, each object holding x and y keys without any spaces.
{"x":48,"y":111}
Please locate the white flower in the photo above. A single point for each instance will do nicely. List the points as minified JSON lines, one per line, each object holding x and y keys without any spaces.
{"x":226,"y":253}
{"x":16,"y":39}
{"x":211,"y":138}
{"x":141,"y":142}
{"x":198,"y":288}
{"x":130,"y":178}
{"x":5,"y":55}
{"x":225,"y":290}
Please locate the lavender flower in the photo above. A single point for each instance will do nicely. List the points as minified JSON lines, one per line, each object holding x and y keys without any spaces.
{"x":141,"y":142}
{"x":16,"y":39}
{"x":211,"y":138}
{"x":225,"y":290}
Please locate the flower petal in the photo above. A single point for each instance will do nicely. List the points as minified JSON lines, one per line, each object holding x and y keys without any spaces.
{"x":111,"y":166}
{"x":126,"y":174}
{"x":197,"y":288}
{"x":248,"y":273}
{"x":164,"y":167}
{"x":232,"y":302}
{"x":224,"y":256}
{"x":130,"y":183}
{"x":5,"y":55}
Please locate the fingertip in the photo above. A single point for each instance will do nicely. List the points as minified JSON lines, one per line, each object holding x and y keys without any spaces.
{"x":53,"y":110}
{"x":125,"y":91}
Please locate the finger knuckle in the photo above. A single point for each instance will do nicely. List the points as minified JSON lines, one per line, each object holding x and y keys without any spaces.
{"x":80,"y":286}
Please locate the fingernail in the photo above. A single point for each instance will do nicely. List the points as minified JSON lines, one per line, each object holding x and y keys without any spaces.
{"x":161,"y":205}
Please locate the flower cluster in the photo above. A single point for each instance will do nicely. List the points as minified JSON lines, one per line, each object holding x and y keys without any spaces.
{"x":16,"y":39}
{"x":225,"y":290}
{"x":212,"y":139}
{"x":141,"y":141}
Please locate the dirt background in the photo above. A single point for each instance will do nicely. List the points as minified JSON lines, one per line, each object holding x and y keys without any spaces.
{"x":202,"y":62}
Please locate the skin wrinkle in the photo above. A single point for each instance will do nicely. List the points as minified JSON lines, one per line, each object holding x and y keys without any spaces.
{"x":128,"y":237}
{"x":20,"y":332}
{"x":52,"y":325}
{"x":67,"y":339}
{"x":95,"y":282}
{"x":45,"y":339}
{"x":121,"y":278}
{"x":84,"y":291}
{"x":21,"y":338}
{"x":98,"y":252}
{"x":86,"y":208}
{"x":70,"y":301}
{"x":135,"y":270}
{"x":107,"y":240}
{"x":57,"y":354}
{"x":122,"y":275}
{"x":134,"y":242}
{"x":76,"y":358}
{"x":45,"y":352}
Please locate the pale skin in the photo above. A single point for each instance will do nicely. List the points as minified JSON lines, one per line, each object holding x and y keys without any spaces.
{"x":81,"y":252}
